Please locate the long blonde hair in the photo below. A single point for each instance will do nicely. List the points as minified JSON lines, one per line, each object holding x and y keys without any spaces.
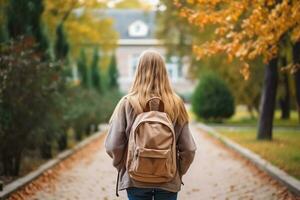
{"x":151,"y":79}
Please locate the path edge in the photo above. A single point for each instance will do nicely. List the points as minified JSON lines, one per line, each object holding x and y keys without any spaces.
{"x":22,"y":181}
{"x":287,"y":180}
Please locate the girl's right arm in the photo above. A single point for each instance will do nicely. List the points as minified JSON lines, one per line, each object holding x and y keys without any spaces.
{"x":115,"y":142}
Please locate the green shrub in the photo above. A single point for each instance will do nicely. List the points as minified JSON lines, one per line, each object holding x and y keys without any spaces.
{"x":87,"y":108}
{"x":27,"y":87}
{"x":212,"y":100}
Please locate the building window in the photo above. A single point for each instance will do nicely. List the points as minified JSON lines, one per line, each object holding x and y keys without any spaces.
{"x":172,"y":69}
{"x":133,"y":62}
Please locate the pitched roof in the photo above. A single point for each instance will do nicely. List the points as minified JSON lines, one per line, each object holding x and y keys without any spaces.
{"x":123,"y":18}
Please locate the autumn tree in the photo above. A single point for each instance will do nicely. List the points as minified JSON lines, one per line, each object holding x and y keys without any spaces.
{"x":83,"y":23}
{"x":245,"y":30}
{"x":179,"y":39}
{"x":177,"y":36}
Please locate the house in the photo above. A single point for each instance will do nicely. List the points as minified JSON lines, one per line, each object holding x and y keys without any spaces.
{"x":136,"y":30}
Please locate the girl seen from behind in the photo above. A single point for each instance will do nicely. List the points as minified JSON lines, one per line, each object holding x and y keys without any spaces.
{"x":149,"y":138}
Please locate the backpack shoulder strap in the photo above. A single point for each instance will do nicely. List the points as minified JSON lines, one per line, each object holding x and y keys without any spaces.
{"x":135,"y":104}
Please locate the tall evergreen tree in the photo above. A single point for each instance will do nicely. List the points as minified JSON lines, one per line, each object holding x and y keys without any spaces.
{"x":82,"y":68}
{"x":95,"y":70}
{"x":61,"y":47}
{"x":61,"y":50}
{"x":3,"y":25}
{"x":24,"y":18}
{"x":113,"y":73}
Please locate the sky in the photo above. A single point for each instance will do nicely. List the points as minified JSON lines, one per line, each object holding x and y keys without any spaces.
{"x":154,"y":3}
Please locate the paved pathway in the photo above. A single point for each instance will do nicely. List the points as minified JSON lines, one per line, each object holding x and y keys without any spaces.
{"x":217,"y":173}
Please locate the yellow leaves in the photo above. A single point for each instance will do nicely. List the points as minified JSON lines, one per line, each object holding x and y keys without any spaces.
{"x":252,"y":55}
{"x":295,"y":11}
{"x":245,"y":29}
{"x":292,"y":68}
{"x":270,"y":2}
{"x":242,"y":51}
{"x":295,"y":35}
{"x":245,"y":71}
{"x":177,"y":4}
{"x":81,"y":25}
{"x":208,"y":49}
{"x":184,"y":13}
{"x":221,"y":31}
{"x":229,"y":57}
{"x":190,"y":1}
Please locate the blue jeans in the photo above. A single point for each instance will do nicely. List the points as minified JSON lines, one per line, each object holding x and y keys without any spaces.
{"x":150,"y":193}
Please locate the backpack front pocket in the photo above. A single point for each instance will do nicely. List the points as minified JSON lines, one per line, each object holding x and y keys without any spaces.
{"x":152,"y":162}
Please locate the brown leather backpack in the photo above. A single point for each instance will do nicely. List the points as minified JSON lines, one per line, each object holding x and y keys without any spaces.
{"x":151,"y":153}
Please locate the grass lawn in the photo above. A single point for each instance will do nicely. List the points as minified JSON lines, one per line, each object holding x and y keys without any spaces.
{"x":242,"y":117}
{"x":283,"y":151}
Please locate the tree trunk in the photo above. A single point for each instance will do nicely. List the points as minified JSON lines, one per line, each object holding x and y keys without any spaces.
{"x":250,"y":111}
{"x":6,"y":162}
{"x":284,"y":101}
{"x":296,"y":59}
{"x":17,"y":163}
{"x":46,"y":147}
{"x":63,"y":140}
{"x":268,"y":101}
{"x":11,"y":162}
{"x":78,"y":134}
{"x":46,"y":150}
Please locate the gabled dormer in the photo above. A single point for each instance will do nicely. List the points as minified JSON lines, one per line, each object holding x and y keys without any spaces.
{"x":138,"y":28}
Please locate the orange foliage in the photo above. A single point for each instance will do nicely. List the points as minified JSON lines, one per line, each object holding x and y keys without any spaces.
{"x":244,"y":29}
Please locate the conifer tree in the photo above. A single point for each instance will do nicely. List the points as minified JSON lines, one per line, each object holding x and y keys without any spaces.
{"x":24,"y":19}
{"x":113,"y":73}
{"x":61,"y":47}
{"x":82,"y":68}
{"x":95,"y":70}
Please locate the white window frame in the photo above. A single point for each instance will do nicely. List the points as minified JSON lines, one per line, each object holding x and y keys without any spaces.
{"x":172,"y":69}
